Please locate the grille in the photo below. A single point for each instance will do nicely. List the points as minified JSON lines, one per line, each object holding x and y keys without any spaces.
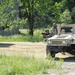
{"x":56,"y":42}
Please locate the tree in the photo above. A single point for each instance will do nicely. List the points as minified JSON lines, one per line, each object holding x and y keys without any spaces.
{"x":8,"y":17}
{"x":7,"y":13}
{"x":56,"y":11}
{"x":67,"y":4}
{"x":29,"y":8}
{"x":65,"y":17}
{"x":73,"y":15}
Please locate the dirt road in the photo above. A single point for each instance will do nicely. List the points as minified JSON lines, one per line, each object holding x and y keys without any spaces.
{"x":23,"y":49}
{"x":37,"y":50}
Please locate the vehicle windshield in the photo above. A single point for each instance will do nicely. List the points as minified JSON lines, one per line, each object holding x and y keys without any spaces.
{"x":66,"y":30}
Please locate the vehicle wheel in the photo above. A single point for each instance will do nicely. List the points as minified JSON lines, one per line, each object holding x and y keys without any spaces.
{"x":49,"y":53}
{"x":52,"y":53}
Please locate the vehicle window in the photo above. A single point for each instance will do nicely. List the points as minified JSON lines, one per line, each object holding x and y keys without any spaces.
{"x":66,"y":29}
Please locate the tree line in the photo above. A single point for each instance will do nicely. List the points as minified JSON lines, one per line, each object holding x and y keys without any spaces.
{"x":38,"y":13}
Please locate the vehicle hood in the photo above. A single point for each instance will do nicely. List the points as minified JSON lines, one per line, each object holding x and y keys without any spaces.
{"x":62,"y":36}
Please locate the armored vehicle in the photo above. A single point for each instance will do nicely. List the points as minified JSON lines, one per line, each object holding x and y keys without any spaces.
{"x":63,"y":41}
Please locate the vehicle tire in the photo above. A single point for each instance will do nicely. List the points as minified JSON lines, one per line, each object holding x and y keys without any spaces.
{"x":49,"y":53}
{"x":52,"y":54}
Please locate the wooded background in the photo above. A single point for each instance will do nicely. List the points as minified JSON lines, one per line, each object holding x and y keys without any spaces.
{"x":32,"y":14}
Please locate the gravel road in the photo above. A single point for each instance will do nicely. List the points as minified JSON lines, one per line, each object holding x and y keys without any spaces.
{"x":38,"y":50}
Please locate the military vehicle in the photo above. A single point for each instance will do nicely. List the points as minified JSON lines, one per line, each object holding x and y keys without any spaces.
{"x":63,"y":41}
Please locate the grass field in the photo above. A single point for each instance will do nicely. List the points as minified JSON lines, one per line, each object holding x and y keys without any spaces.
{"x":21,"y":65}
{"x":23,"y":37}
{"x":13,"y":65}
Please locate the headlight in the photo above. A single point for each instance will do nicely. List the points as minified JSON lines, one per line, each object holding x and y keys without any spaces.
{"x":63,"y":42}
{"x":49,"y":42}
{"x":72,"y":40}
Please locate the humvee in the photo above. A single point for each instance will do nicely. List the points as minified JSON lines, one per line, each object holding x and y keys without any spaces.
{"x":63,"y":41}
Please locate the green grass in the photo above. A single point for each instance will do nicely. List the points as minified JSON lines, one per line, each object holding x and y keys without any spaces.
{"x":14,"y":65}
{"x":20,"y":38}
{"x":23,"y":37}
